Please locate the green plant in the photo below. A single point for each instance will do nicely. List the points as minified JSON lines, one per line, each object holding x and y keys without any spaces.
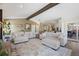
{"x":3,"y":53}
{"x":6,"y":28}
{"x":0,"y":44}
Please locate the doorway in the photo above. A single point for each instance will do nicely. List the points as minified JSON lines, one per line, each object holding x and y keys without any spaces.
{"x":0,"y":23}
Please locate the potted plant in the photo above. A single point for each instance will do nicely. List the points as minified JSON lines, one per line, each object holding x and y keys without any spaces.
{"x":0,"y":44}
{"x":6,"y":28}
{"x":2,"y":51}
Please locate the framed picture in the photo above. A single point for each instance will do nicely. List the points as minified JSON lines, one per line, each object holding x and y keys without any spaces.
{"x":28,"y":27}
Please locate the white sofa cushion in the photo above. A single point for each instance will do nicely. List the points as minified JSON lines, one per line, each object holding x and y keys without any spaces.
{"x":51,"y":42}
{"x":29,"y":34}
{"x":43,"y":35}
{"x":57,"y":35}
{"x":20,"y":39}
{"x":52,"y":34}
{"x":19,"y":34}
{"x":49,"y":34}
{"x":23,"y":36}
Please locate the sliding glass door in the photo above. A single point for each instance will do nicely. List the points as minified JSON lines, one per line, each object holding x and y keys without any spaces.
{"x":73,"y":31}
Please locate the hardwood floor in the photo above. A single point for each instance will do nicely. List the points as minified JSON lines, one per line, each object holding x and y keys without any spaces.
{"x":74,"y":46}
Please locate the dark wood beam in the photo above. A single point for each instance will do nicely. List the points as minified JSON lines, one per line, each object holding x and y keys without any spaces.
{"x":50,"y":5}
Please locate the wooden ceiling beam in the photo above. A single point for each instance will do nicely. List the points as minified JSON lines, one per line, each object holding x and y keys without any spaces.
{"x":50,"y":5}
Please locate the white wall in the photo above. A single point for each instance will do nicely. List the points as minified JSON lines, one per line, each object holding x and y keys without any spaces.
{"x":20,"y":24}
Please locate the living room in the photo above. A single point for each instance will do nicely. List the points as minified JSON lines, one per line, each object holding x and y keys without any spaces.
{"x":40,"y":29}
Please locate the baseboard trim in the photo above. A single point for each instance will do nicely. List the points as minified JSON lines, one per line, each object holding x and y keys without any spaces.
{"x":77,"y":41}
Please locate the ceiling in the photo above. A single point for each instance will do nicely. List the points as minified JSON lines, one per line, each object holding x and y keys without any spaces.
{"x":23,"y":10}
{"x":20,"y":10}
{"x":63,"y":10}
